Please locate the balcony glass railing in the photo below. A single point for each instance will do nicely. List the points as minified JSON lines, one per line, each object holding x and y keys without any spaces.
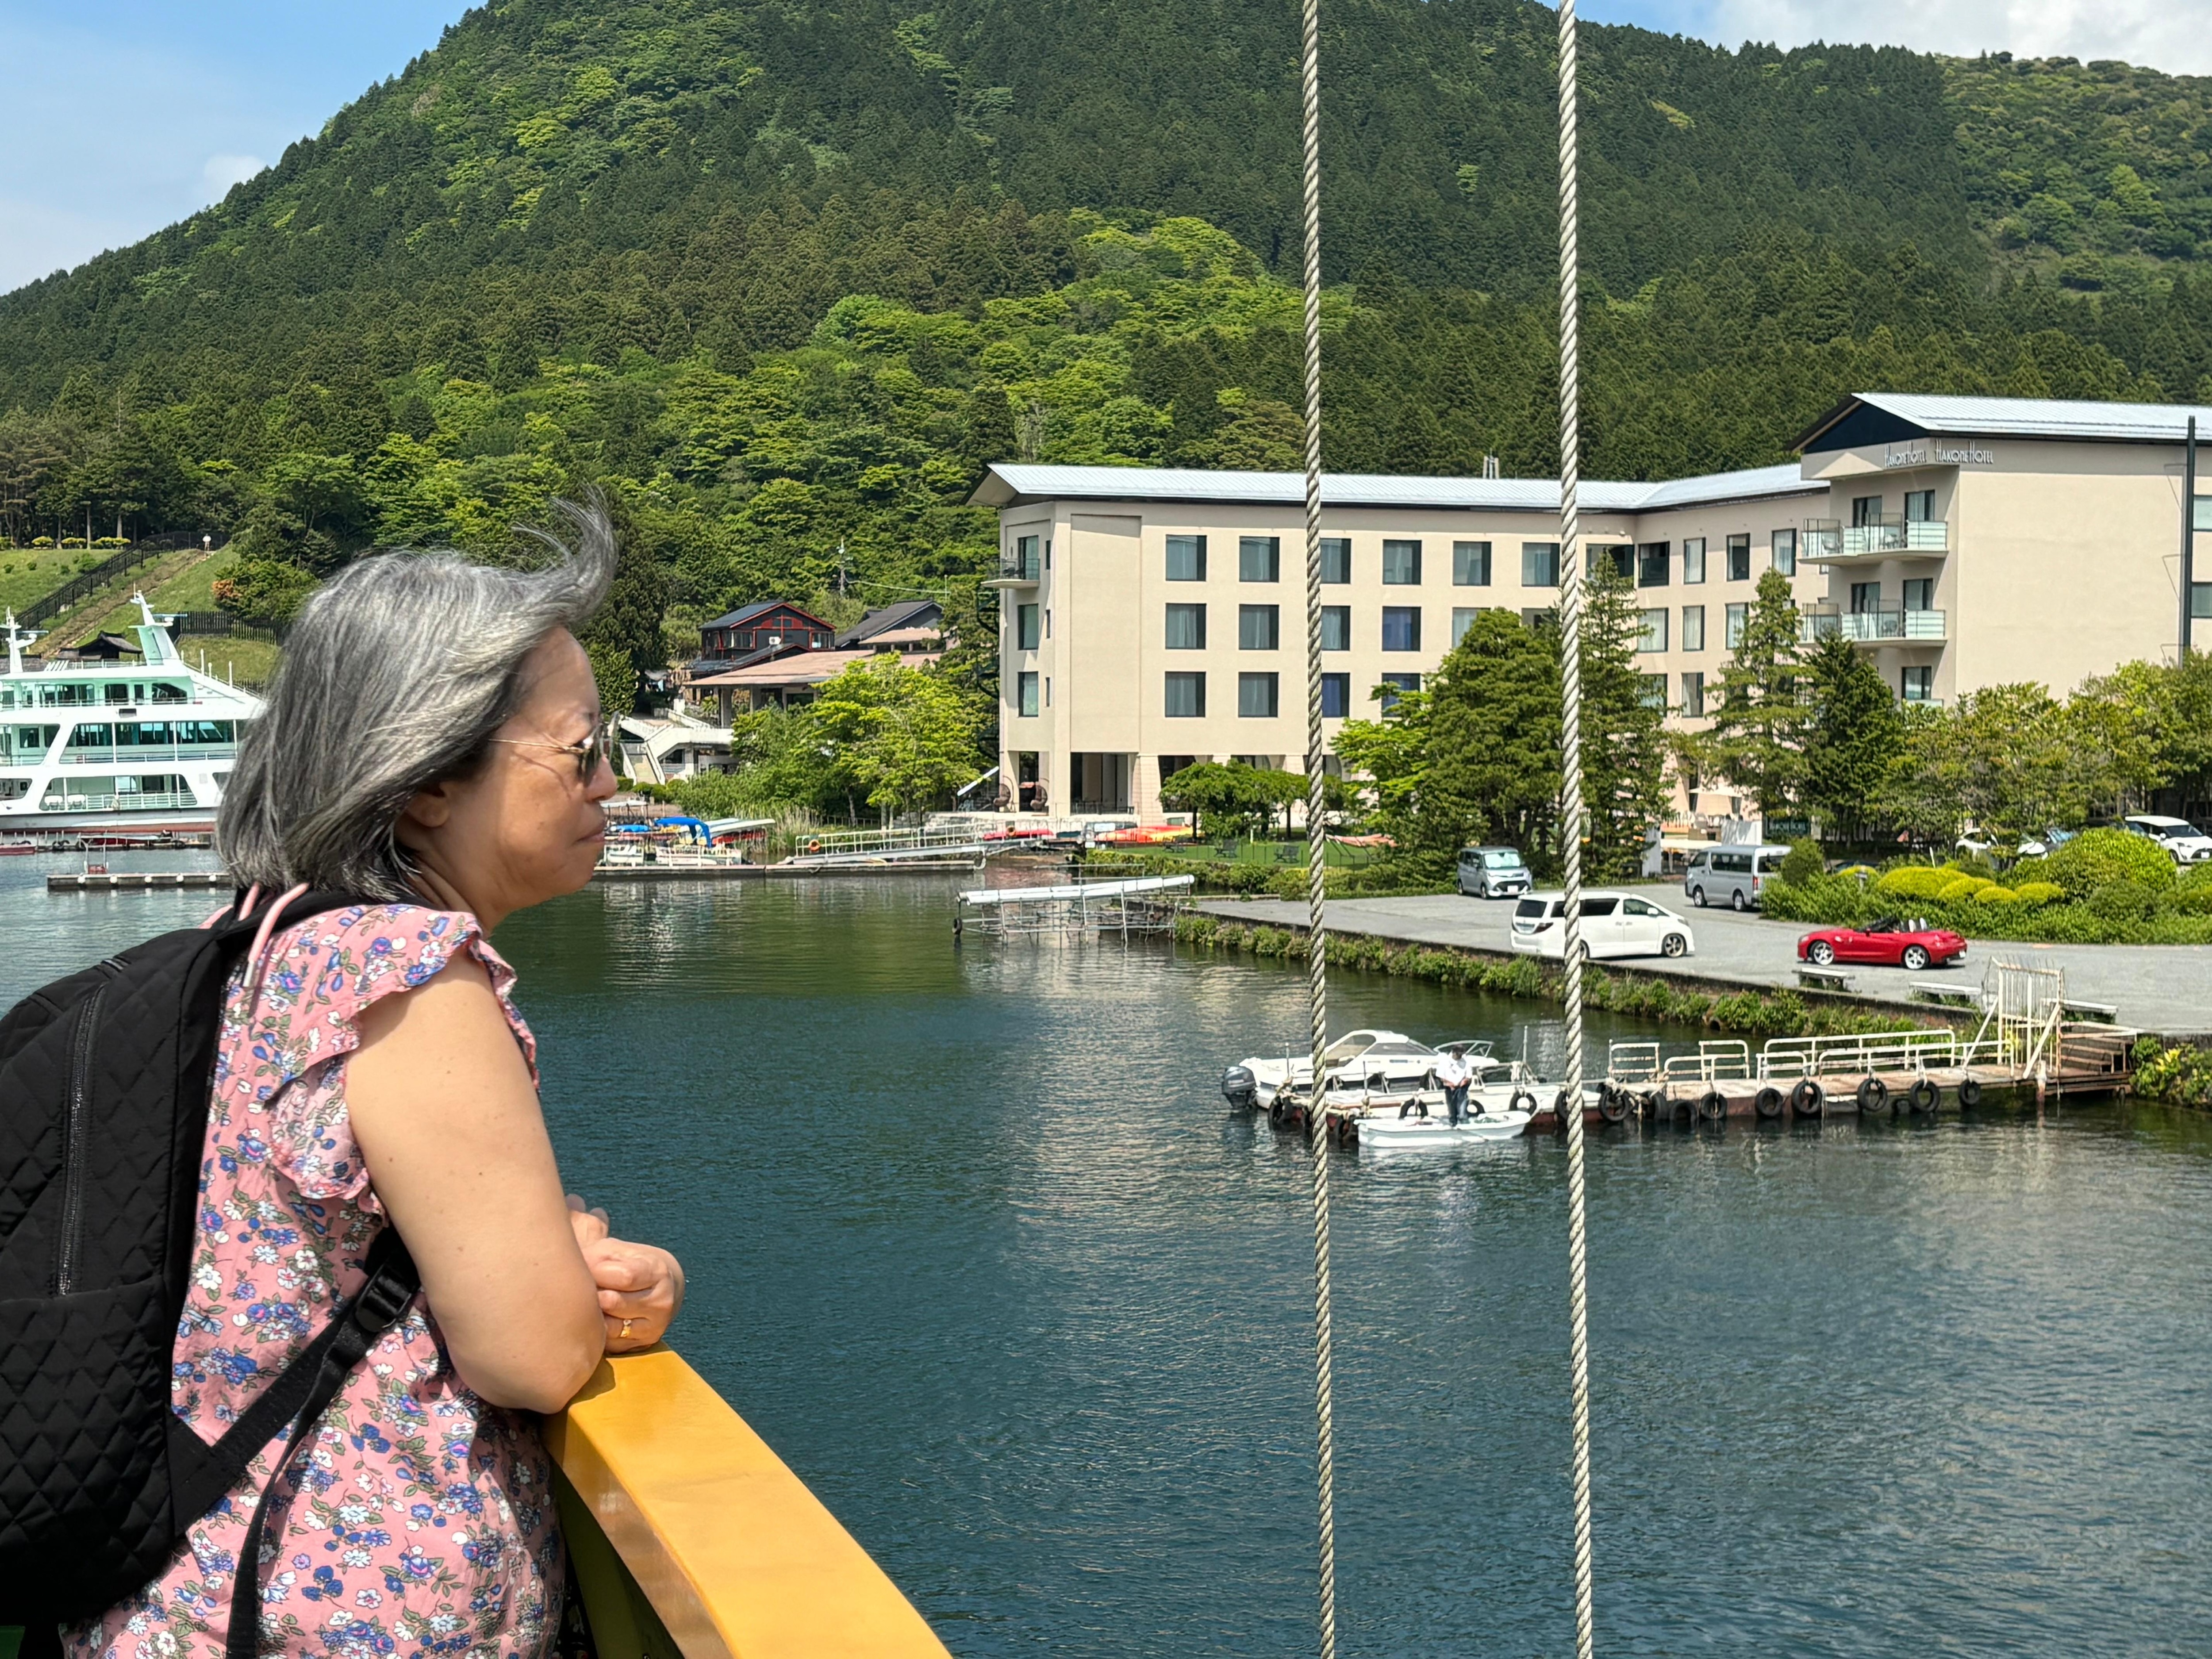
{"x":1874,"y":627}
{"x":1828,"y":538}
{"x":1019,"y":565}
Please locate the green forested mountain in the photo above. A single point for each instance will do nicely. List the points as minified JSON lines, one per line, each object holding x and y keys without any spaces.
{"x":783,"y":275}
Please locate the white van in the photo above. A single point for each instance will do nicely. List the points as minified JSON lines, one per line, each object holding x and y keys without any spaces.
{"x":1731,"y":875}
{"x":1613,"y":925}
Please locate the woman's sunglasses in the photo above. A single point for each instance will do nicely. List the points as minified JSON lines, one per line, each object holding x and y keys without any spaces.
{"x":589,"y":753}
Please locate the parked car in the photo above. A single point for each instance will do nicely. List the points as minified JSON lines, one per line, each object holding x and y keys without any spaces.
{"x":1981,"y":844}
{"x":1889,"y":943}
{"x":1493,"y":873}
{"x":1730,"y":875}
{"x":1613,"y":925}
{"x":2188,"y":844}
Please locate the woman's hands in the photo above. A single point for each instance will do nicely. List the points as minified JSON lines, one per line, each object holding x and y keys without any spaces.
{"x":641,"y":1286}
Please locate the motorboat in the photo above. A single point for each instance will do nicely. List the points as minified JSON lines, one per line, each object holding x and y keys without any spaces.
{"x":1377,"y":1062}
{"x":1502,"y":1101}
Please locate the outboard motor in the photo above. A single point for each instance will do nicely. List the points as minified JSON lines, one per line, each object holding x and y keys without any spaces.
{"x":1240,"y":1088}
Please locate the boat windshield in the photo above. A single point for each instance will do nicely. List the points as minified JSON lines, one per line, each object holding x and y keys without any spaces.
{"x":1403,"y":1047}
{"x":1349,"y":1047}
{"x":1495,"y":1077}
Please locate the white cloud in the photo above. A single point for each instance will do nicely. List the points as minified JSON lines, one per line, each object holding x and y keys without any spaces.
{"x":222,"y":172}
{"x":2173,"y":35}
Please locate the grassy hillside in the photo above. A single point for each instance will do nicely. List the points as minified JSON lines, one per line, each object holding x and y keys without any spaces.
{"x":781,"y":278}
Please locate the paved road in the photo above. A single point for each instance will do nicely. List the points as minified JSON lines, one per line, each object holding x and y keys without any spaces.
{"x":2156,"y":988}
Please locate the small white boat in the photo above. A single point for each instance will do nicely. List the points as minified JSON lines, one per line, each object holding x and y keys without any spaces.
{"x":1384,"y":1133}
{"x":1376,"y":1062}
{"x":1501,"y":1100}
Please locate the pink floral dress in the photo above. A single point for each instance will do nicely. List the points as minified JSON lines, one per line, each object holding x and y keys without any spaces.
{"x":421,"y":1521}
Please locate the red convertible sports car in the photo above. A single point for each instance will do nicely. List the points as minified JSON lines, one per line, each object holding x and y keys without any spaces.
{"x":1894,"y":943}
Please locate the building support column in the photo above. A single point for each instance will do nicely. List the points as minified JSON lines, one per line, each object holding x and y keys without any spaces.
{"x":1145,"y":788}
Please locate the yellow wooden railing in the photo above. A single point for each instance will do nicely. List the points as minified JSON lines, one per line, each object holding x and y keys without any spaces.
{"x":690,"y":1540}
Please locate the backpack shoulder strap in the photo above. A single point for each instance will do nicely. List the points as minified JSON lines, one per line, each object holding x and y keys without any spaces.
{"x":202,"y":1473}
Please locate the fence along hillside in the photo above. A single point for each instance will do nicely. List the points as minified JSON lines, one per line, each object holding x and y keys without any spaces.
{"x":86,"y":583}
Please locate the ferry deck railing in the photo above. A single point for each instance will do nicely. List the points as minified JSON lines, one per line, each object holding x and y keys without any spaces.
{"x":690,"y":1539}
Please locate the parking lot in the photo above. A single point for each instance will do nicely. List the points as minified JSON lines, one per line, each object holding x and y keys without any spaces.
{"x":2157,"y":987}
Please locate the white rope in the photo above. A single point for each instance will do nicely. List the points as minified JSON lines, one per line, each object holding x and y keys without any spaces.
{"x":1317,"y":928}
{"x":1570,"y":809}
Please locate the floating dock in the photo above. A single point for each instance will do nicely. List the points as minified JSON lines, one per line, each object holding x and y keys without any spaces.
{"x":138,"y":881}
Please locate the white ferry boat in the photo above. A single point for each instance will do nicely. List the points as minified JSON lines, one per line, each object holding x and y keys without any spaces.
{"x":115,"y":747}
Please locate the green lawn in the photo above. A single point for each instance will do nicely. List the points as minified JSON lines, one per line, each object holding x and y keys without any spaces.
{"x":194,"y":589}
{"x":28,"y":573}
{"x":1282,"y":853}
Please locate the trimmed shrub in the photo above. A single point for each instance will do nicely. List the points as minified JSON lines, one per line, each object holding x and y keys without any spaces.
{"x":1804,"y":862}
{"x":2038,"y":892}
{"x":2125,"y":901}
{"x":2097,"y":858}
{"x":2000,"y":897}
{"x":1959,"y":887}
{"x":1915,"y":881}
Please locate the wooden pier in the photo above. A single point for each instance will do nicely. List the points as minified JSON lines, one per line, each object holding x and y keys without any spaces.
{"x":137,"y":881}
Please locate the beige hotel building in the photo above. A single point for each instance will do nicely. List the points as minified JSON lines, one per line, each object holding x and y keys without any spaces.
{"x":1152,"y":618}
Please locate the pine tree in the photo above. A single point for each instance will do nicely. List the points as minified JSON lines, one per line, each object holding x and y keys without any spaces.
{"x":1624,"y":741}
{"x":1758,"y":737}
{"x":1853,"y":733}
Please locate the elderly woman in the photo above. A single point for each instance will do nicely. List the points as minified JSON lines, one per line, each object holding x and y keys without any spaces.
{"x":432,"y":747}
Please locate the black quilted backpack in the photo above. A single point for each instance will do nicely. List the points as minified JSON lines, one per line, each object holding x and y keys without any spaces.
{"x":104,"y":1082}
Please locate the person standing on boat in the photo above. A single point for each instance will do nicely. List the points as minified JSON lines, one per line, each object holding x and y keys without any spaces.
{"x":433,"y":746}
{"x":1454,"y":1075}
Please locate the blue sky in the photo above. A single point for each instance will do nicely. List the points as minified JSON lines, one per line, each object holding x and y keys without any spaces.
{"x":122,"y":115}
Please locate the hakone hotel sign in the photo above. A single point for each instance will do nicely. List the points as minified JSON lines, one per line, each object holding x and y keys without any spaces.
{"x":1935,"y":452}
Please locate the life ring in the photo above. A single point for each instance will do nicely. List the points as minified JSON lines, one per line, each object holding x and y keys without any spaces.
{"x":813,"y":846}
{"x":1611,"y":1103}
{"x":1922,"y":1095}
{"x":1873,"y":1095}
{"x":1767,"y":1103}
{"x":1970,"y":1092}
{"x":1522,"y":1101}
{"x":1806,"y":1099}
{"x":1712,"y":1105}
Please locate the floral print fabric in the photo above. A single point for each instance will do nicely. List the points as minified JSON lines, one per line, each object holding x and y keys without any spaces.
{"x":421,"y":1521}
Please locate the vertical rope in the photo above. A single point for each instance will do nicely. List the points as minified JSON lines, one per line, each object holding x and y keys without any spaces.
{"x":1317,"y":928}
{"x":1570,"y":807}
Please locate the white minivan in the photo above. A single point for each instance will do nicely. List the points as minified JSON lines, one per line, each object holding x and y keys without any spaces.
{"x":1613,"y":925}
{"x":2188,"y":844}
{"x":1730,"y":875}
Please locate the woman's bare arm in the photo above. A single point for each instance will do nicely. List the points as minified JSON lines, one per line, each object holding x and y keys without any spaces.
{"x":449,"y":1126}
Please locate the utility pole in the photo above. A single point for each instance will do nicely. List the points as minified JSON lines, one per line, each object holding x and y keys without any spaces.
{"x":2188,"y":535}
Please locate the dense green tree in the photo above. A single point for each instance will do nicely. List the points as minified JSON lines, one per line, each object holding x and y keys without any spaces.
{"x":1757,"y":740}
{"x":1624,"y":758}
{"x":1852,"y":732}
{"x":1233,"y":800}
{"x":1492,"y":771}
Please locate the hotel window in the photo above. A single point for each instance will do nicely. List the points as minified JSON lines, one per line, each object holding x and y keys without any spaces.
{"x":1027,"y":685}
{"x":1186,"y":558}
{"x":1336,"y":628}
{"x":1694,"y":561}
{"x":1919,"y":506}
{"x":1785,"y":554}
{"x":1401,"y":628}
{"x":1920,"y":593}
{"x":1259,"y":558}
{"x":1737,"y":613}
{"x":1395,"y":682}
{"x":1258,"y":627}
{"x":1865,"y":510}
{"x":1401,"y":564}
{"x":1918,"y":684}
{"x":2200,"y":599}
{"x":1651,"y":689}
{"x":1739,"y":558}
{"x":1470,"y":564}
{"x":1866,"y":597}
{"x":1621,"y":557}
{"x":1025,"y":557}
{"x":1654,"y":630}
{"x":1462,"y":619}
{"x":1694,"y":628}
{"x":1186,"y":696}
{"x":1547,"y":616}
{"x":1651,"y":564}
{"x":1335,"y":696}
{"x":1025,"y":627}
{"x":1185,"y":627}
{"x":1540,"y":564}
{"x":1256,"y":695}
{"x":1335,"y":561}
{"x":1693,"y":694}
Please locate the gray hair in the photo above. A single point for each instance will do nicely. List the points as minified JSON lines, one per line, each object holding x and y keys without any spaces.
{"x":395,"y":676}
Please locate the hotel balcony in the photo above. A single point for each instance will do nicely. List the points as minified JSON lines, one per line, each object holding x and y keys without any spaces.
{"x":1830,"y":541}
{"x":1018,"y":567}
{"x":1897,"y":627}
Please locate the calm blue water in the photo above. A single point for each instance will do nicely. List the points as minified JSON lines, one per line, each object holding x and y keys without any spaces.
{"x":974,"y":1244}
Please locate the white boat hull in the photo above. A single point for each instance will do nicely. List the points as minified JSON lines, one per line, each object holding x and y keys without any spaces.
{"x":1385,"y":1133}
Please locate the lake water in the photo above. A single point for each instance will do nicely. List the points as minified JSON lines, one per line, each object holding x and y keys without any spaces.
{"x":974,"y":1244}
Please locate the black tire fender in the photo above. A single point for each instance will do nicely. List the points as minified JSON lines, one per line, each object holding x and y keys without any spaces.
{"x":1611,"y":1103}
{"x":1768,"y":1102}
{"x":1970,"y":1092}
{"x":1712,"y":1106}
{"x":1807,"y":1099}
{"x":1873,"y":1095}
{"x":1922,"y":1095}
{"x":1522,"y":1101}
